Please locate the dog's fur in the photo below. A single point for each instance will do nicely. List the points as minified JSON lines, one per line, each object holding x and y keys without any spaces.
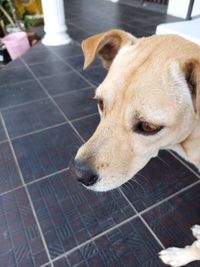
{"x":153,"y":80}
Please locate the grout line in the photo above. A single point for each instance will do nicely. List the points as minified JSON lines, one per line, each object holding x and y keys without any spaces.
{"x":42,"y":62}
{"x":55,"y":104}
{"x":142,"y":219}
{"x":44,"y":98}
{"x":38,"y":131}
{"x":41,"y":77}
{"x":21,"y":82}
{"x":52,"y":75}
{"x":11,"y":190}
{"x":88,"y":32}
{"x":68,"y":57}
{"x":73,"y":91}
{"x":170,"y":197}
{"x":35,"y":181}
{"x":81,"y":28}
{"x":4,"y":141}
{"x":94,"y":85}
{"x":16,"y":83}
{"x":85,"y":117}
{"x":62,"y":73}
{"x":26,"y":190}
{"x":23,"y":104}
{"x":51,"y":52}
{"x":185,"y":164}
{"x":95,"y":237}
{"x":49,"y":127}
{"x":47,"y":176}
{"x":77,"y":72}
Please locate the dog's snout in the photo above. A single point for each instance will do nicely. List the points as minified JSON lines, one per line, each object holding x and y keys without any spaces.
{"x":84,"y":173}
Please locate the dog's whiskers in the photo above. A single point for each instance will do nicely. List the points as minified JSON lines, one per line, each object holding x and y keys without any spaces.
{"x":139,"y":174}
{"x":139,"y":184}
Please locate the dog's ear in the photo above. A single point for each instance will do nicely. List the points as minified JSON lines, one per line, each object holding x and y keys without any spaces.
{"x":191,"y":70}
{"x":106,"y":45}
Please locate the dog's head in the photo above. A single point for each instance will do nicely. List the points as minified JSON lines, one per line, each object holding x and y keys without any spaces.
{"x":148,"y":101}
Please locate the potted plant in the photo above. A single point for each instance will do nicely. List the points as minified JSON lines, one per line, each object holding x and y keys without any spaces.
{"x":15,"y":20}
{"x":15,"y":39}
{"x":9,"y":18}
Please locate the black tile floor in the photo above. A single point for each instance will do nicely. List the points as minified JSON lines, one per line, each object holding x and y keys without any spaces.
{"x":46,"y":108}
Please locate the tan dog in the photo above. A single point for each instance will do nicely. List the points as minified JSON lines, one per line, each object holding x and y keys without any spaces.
{"x":149,"y":100}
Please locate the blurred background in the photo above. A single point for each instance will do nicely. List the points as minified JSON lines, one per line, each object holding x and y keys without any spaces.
{"x":85,"y":17}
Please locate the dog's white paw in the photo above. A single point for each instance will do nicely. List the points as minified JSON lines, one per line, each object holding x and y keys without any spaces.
{"x":196,"y":231}
{"x":175,"y":257}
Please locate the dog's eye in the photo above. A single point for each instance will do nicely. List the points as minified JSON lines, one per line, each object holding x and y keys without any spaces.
{"x":147,"y":128}
{"x":100,"y":104}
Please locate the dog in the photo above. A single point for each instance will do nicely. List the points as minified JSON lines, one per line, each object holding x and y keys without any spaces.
{"x":149,"y":100}
{"x":181,"y":256}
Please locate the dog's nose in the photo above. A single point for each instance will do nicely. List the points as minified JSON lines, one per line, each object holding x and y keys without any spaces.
{"x":84,"y":173}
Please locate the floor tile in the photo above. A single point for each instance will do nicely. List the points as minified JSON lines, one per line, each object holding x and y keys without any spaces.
{"x":20,"y":242}
{"x":67,"y":50}
{"x":95,"y":75}
{"x":87,"y":126}
{"x":78,"y":34}
{"x":16,"y":94}
{"x":149,"y":30}
{"x":172,"y":220}
{"x":9,"y":176}
{"x":77,"y":104}
{"x":15,"y":63}
{"x":31,"y":117}
{"x":2,"y":132}
{"x":64,"y":83}
{"x":46,"y":152}
{"x":96,"y":25}
{"x":37,"y":56}
{"x":14,"y":75}
{"x":49,"y":68}
{"x":78,"y":62}
{"x":130,"y":245}
{"x":62,"y":263}
{"x":39,"y":47}
{"x":187,"y":163}
{"x":161,"y":178}
{"x":69,"y":214}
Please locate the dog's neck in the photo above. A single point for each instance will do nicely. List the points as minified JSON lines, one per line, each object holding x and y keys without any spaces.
{"x":189,"y":149}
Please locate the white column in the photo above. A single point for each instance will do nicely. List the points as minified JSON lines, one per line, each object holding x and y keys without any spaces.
{"x":54,"y":23}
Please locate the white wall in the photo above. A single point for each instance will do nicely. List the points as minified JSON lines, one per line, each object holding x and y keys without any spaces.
{"x":196,"y":8}
{"x":179,"y":8}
